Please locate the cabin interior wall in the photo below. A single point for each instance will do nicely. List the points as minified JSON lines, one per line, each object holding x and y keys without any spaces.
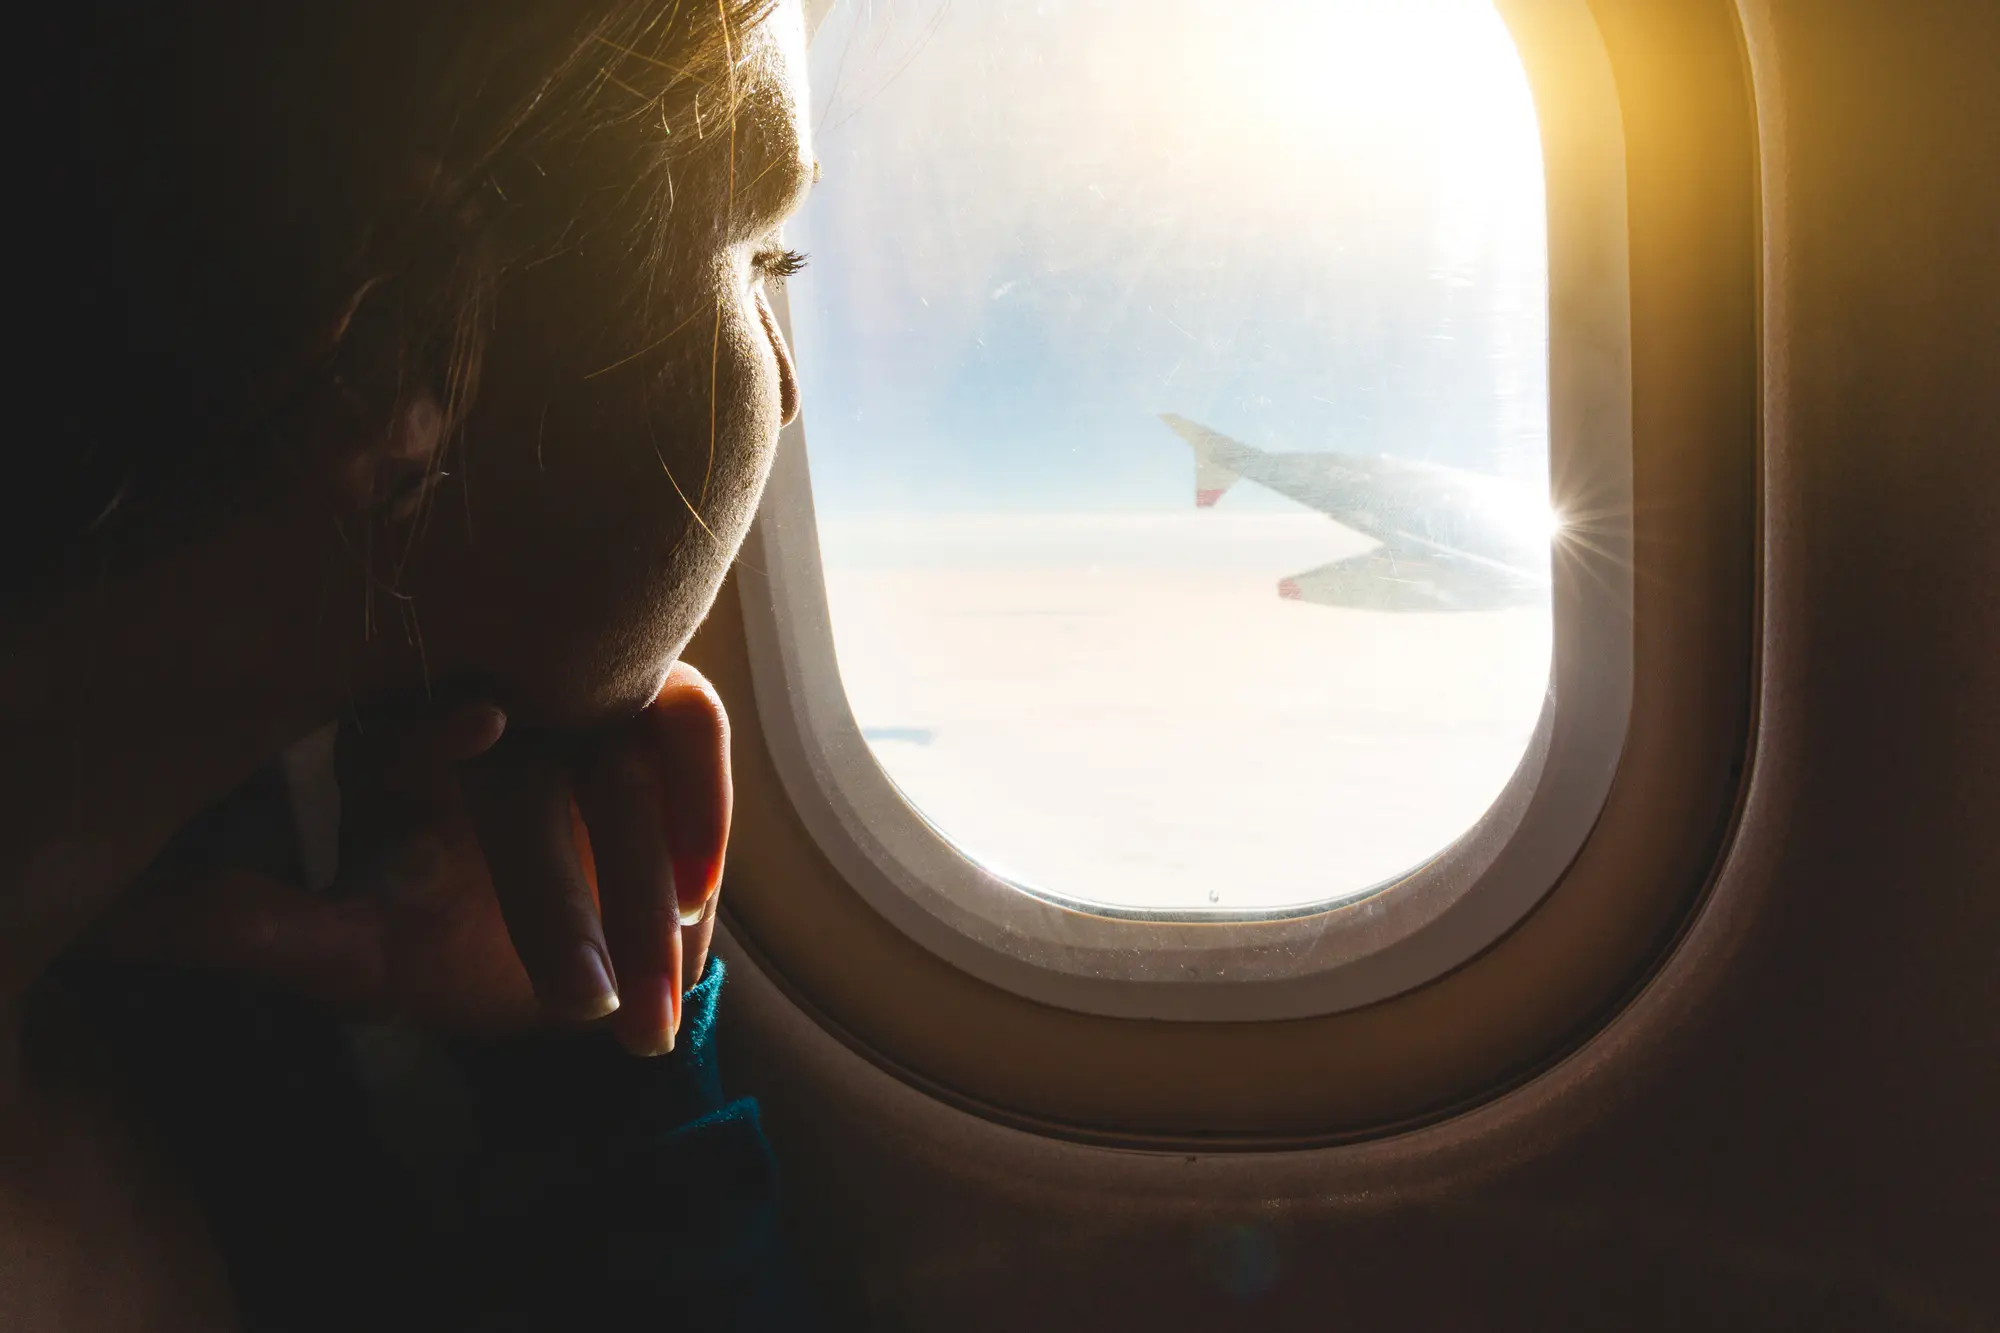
{"x":1792,"y":1127}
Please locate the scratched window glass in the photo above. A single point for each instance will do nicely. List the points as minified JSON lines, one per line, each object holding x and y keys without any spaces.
{"x":1176,"y":406}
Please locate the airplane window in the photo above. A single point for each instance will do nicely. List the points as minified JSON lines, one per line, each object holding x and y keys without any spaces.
{"x":1176,"y":383}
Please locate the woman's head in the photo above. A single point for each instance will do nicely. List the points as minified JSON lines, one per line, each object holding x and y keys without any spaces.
{"x":474,"y":289}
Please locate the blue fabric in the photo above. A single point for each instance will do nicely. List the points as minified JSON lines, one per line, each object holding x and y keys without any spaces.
{"x":594,"y":1185}
{"x":617,"y":1185}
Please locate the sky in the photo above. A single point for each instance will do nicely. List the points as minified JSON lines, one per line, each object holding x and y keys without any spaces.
{"x":1309,"y":224}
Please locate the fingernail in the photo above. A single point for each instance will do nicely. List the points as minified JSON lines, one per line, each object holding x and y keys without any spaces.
{"x":490,"y":716}
{"x":480,"y":726}
{"x":693,"y":914}
{"x":658,"y":1037}
{"x":670,"y":1015}
{"x":594,"y":994}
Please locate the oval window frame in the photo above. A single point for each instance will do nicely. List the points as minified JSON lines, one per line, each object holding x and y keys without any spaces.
{"x":1253,"y":966}
{"x":1688,"y":135}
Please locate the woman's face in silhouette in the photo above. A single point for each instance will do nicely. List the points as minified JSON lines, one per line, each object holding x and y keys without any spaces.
{"x":602,"y":485}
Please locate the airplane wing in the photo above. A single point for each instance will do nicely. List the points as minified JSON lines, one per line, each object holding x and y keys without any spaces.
{"x":1389,"y":499}
{"x":1451,"y":540}
{"x":1339,"y":485}
{"x":1383,"y":579}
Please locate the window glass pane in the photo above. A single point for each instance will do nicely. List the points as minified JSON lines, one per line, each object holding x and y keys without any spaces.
{"x":1176,"y":401}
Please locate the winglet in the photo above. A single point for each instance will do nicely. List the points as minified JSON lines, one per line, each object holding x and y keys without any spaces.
{"x":1211,"y":478}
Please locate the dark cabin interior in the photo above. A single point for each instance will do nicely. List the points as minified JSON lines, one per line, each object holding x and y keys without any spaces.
{"x":1733,"y":1064}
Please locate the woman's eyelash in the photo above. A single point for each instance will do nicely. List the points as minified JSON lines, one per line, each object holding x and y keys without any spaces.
{"x":779,"y":264}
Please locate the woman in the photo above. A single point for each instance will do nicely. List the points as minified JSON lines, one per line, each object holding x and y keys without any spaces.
{"x":409,"y":365}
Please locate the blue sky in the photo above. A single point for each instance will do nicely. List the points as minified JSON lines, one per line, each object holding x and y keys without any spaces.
{"x":1314,"y":224}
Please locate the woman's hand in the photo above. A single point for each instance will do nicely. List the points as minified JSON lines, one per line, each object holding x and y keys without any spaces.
{"x":467,"y":897}
{"x":601,"y":931}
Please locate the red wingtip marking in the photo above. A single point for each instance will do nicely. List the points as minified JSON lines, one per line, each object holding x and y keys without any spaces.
{"x":1206,"y":499}
{"x":1289,"y":589}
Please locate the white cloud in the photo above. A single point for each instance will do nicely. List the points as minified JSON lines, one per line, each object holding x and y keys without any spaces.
{"x":1122,"y":710}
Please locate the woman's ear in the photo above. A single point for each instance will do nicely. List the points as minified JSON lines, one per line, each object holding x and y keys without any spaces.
{"x":404,"y":463}
{"x":376,"y":425}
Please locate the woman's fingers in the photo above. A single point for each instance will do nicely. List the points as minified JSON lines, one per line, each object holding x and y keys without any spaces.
{"x":418,"y":749}
{"x":655,"y":795}
{"x":398,"y":775}
{"x":655,"y":802}
{"x":519,"y":801}
{"x":414,"y":756}
{"x":686,"y":734}
{"x":618,"y":790}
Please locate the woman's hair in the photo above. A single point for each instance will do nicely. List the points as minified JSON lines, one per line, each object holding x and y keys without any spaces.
{"x":257,"y":184}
